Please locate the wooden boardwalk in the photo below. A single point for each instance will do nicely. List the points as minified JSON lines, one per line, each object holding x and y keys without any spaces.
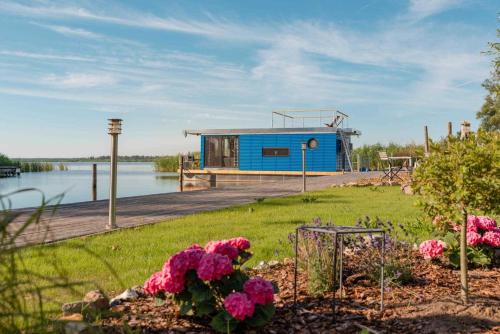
{"x":87,"y":218}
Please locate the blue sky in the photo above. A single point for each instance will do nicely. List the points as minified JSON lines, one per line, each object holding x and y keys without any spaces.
{"x":164,"y":66}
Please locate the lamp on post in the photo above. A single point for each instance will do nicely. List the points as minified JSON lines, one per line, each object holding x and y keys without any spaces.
{"x":311,"y":144}
{"x":464,"y":130}
{"x":114,"y":129}
{"x":303,"y":147}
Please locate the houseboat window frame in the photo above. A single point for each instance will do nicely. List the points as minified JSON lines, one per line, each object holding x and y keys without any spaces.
{"x":275,"y":152}
{"x":209,"y":159}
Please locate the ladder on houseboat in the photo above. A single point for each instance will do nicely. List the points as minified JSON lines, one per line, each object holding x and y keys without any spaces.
{"x":347,"y":149}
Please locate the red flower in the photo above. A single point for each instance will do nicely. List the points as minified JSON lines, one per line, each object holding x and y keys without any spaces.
{"x":153,"y":284}
{"x":222,"y":247}
{"x":214,"y":266}
{"x":239,"y":305}
{"x":240,"y":243}
{"x":259,"y":290}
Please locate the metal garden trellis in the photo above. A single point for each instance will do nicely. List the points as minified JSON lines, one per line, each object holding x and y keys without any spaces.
{"x":338,"y":232}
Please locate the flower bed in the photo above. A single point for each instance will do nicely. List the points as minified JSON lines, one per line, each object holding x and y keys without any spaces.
{"x":208,"y":283}
{"x":427,"y":306}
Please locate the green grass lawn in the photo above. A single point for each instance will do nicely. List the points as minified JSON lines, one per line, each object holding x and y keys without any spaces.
{"x":133,"y":254}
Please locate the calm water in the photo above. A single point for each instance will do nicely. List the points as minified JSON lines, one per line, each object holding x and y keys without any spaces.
{"x":134,"y":179}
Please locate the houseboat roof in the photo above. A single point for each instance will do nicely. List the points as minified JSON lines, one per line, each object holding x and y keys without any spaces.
{"x":198,"y":132}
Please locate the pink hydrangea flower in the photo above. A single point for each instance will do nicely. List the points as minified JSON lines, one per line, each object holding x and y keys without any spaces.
{"x":486,"y":223}
{"x":194,"y":256}
{"x":214,"y":266}
{"x":153,"y":284}
{"x":492,"y":238}
{"x":472,"y":222}
{"x":431,"y":248}
{"x":172,"y":284}
{"x":177,"y":265}
{"x":239,"y":305}
{"x":474,"y":238}
{"x":240,"y":243}
{"x":259,"y":290}
{"x":222,"y":247}
{"x":194,"y":246}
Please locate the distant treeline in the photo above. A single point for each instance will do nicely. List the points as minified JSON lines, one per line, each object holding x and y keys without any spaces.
{"x":31,"y":166}
{"x":170,"y":163}
{"x":369,"y":154}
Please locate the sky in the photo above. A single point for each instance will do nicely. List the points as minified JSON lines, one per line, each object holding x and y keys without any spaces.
{"x":165,"y":66}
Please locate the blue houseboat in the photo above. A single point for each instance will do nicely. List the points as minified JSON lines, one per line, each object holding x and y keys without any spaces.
{"x":278,"y":150}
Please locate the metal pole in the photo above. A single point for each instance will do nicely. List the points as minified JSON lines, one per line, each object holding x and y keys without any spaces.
{"x":334,"y":272}
{"x":295,"y":270}
{"x":341,"y":265}
{"x":112,"y":191}
{"x":94,"y":182}
{"x":382,"y":273}
{"x":426,"y":140}
{"x":450,"y":129}
{"x":303,"y":168}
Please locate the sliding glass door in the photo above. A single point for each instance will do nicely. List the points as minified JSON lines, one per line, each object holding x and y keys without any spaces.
{"x":221,"y":151}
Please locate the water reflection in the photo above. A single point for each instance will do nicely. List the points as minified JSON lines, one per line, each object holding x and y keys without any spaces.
{"x":134,"y":179}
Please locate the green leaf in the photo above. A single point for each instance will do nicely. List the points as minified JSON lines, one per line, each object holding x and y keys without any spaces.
{"x":223,"y":322}
{"x":233,"y":282}
{"x":454,"y":259}
{"x":200,"y":292}
{"x":186,"y":308}
{"x":261,"y":316}
{"x":159,"y":301}
{"x":205,"y":308}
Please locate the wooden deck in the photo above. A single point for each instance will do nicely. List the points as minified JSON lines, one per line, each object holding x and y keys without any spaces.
{"x":87,"y":218}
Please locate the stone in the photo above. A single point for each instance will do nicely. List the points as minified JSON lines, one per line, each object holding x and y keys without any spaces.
{"x":74,"y":307}
{"x":273,"y":263}
{"x":129,"y":294}
{"x":261,"y":265}
{"x":96,"y":300}
{"x":407,"y":189}
{"x":76,"y":327}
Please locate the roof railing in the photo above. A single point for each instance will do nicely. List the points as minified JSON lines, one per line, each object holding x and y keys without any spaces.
{"x":303,"y":117}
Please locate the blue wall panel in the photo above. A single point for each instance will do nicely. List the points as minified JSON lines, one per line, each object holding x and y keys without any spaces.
{"x":321,"y":159}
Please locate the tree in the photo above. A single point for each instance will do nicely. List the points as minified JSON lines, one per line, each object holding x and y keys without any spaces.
{"x":490,"y":110}
{"x":460,"y":177}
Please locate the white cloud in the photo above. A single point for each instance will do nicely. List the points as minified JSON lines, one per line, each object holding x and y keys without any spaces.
{"x":420,"y":9}
{"x":72,"y":32}
{"x":44,"y":56}
{"x":80,"y":80}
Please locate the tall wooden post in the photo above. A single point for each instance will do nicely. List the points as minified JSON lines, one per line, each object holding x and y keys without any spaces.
{"x":359,"y":162}
{"x":426,"y":142}
{"x":181,"y":172}
{"x":450,"y":129}
{"x":94,"y":182}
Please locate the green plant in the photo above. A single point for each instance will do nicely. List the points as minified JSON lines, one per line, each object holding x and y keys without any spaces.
{"x":460,"y":176}
{"x":309,"y":199}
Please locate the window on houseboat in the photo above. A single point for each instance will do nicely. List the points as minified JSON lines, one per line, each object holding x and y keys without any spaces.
{"x":221,"y":151}
{"x":275,"y":152}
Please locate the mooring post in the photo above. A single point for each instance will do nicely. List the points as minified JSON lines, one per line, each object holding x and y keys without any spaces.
{"x":450,"y":129}
{"x":94,"y":182}
{"x":426,"y":140}
{"x":115,"y":128}
{"x":359,"y":162}
{"x":181,"y":172}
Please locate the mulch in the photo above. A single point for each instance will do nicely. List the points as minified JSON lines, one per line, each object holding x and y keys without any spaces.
{"x":430,"y":304}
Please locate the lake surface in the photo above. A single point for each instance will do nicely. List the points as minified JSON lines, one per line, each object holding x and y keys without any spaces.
{"x":134,"y":179}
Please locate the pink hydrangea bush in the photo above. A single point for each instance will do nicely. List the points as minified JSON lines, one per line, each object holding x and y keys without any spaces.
{"x":208,"y":282}
{"x":431,"y":248}
{"x":483,"y":238}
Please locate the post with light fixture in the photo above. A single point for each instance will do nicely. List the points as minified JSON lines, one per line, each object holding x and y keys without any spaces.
{"x":464,"y":130}
{"x":115,"y":128}
{"x":464,"y":279}
{"x":304,"y":147}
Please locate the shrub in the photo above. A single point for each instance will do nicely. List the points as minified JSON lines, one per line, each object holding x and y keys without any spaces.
{"x":208,"y":282}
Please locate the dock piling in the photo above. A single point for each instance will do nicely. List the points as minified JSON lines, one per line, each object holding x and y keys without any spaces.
{"x":94,"y":182}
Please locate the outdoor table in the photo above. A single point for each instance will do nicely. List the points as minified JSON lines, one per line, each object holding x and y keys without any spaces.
{"x":338,"y":233}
